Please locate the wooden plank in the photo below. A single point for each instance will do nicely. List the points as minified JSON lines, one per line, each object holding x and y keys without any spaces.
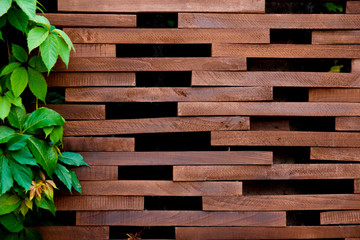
{"x":179,"y":158}
{"x":353,"y":7}
{"x":97,"y":173}
{"x":282,"y":202}
{"x":91,"y":79}
{"x":175,"y":36}
{"x":92,"y":20}
{"x":292,"y":232}
{"x":155,"y":125}
{"x":160,"y":188}
{"x":275,"y":79}
{"x":98,"y":203}
{"x":347,"y":124}
{"x":336,"y":37}
{"x":167,"y":94}
{"x":285,"y":51}
{"x":243,"y":6}
{"x":269,"y":125}
{"x":334,"y":95}
{"x":74,"y":232}
{"x":356,"y":185}
{"x":335,"y":154}
{"x":99,"y":144}
{"x":340,"y":217}
{"x":355,"y":65}
{"x":152,"y":64}
{"x":94,"y":50}
{"x":285,"y":138}
{"x":78,"y":112}
{"x":181,"y":218}
{"x":273,"y":172}
{"x":268,"y":109}
{"x":275,"y":21}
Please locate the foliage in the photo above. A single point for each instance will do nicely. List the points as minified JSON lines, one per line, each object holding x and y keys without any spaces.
{"x":331,"y":7}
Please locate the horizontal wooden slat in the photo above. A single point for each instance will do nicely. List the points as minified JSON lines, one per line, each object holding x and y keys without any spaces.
{"x":276,"y":21}
{"x":155,"y":125}
{"x":98,"y":203}
{"x":353,"y":7}
{"x":74,"y":232}
{"x":179,"y":158}
{"x":275,"y":79}
{"x":152,"y":64}
{"x":79,"y":112}
{"x":175,"y":36}
{"x":97,"y":173}
{"x":347,"y":123}
{"x":335,"y":154}
{"x":335,"y":37}
{"x":273,"y":172}
{"x":285,"y":138}
{"x":165,"y":94}
{"x":94,"y":50}
{"x":181,"y":218}
{"x":355,"y":65}
{"x":282,"y":202}
{"x":334,"y":95}
{"x":268,"y":109}
{"x":285,"y":51}
{"x":99,"y":144}
{"x":269,"y":125}
{"x":246,"y":6}
{"x":357,"y":186}
{"x":340,"y":217}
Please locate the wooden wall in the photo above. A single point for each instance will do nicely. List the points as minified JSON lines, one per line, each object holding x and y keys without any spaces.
{"x":267,"y":151}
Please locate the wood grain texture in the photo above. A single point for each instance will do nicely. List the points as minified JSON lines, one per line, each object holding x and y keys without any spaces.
{"x":151,"y":64}
{"x":275,"y":21}
{"x":179,"y":158}
{"x":275,"y":79}
{"x":340,"y":217}
{"x":269,"y":125}
{"x":285,"y":138}
{"x":335,"y":154}
{"x":97,"y":173}
{"x":181,"y":218}
{"x":93,"y":50}
{"x":336,"y":37}
{"x":347,"y":124}
{"x":357,"y":186}
{"x":285,"y":51}
{"x":174,"y":36}
{"x":98,"y":203}
{"x":166,"y":94}
{"x":334,"y":95}
{"x":268,"y":109}
{"x":353,"y":7}
{"x":79,"y":112}
{"x":99,"y":144}
{"x":155,"y":125}
{"x":355,"y":65}
{"x":244,"y":6}
{"x":74,"y":232}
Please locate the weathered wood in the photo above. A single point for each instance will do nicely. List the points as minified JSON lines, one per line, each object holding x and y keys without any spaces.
{"x":340,"y":217}
{"x":155,"y":125}
{"x":74,"y":232}
{"x":98,"y":203}
{"x":357,"y":186}
{"x":181,"y":218}
{"x":244,"y":6}
{"x":335,"y":154}
{"x":285,"y":51}
{"x":285,"y":138}
{"x":355,"y":65}
{"x":268,"y":109}
{"x":97,"y":173}
{"x":334,"y":95}
{"x":353,"y":7}
{"x":151,"y":64}
{"x":179,"y":158}
{"x":347,"y":124}
{"x":175,"y":36}
{"x":165,"y":94}
{"x":273,"y":172}
{"x":78,"y":112}
{"x":275,"y":79}
{"x":269,"y":125}
{"x":99,"y":144}
{"x":94,"y":50}
{"x":335,"y":37}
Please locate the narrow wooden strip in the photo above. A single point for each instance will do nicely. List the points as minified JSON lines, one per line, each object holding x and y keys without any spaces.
{"x":244,"y":6}
{"x":335,"y":154}
{"x":273,"y":172}
{"x":91,"y":79}
{"x":99,"y":144}
{"x":285,"y":138}
{"x":355,"y":65}
{"x":98,"y":203}
{"x":353,"y":7}
{"x":335,"y":37}
{"x":155,"y":125}
{"x":268,"y":109}
{"x":179,"y":158}
{"x":269,"y":125}
{"x":181,"y":218}
{"x":347,"y":124}
{"x":74,"y":232}
{"x":282,"y":202}
{"x":79,"y":112}
{"x":151,"y":64}
{"x":340,"y":217}
{"x":174,"y":36}
{"x":94,"y":50}
{"x":285,"y":51}
{"x":275,"y":79}
{"x":97,"y":173}
{"x":334,"y":95}
{"x":166,"y":94}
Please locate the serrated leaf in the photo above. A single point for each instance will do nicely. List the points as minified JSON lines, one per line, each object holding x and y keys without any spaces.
{"x":46,"y":204}
{"x":42,"y":20}
{"x":74,"y":159}
{"x":65,"y":37}
{"x":10,"y":68}
{"x":23,"y":156}
{"x":36,"y":36}
{"x":17,"y":101}
{"x":18,"y":19}
{"x":5,"y":106}
{"x":18,"y":142}
{"x":17,"y":117}
{"x":75,"y":181}
{"x":64,"y":51}
{"x":43,"y":117}
{"x":37,"y":84}
{"x":8,"y":203}
{"x":49,"y":51}
{"x":6,"y":179}
{"x":57,"y":135}
{"x":36,"y":63}
{"x":4,"y":6}
{"x":19,"y":80}
{"x":19,"y":53}
{"x":64,"y":175}
{"x":28,"y":6}
{"x":6,"y":133}
{"x":22,"y":174}
{"x":12,"y":222}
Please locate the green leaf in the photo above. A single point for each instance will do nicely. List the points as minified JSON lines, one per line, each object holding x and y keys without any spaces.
{"x":5,"y":106}
{"x":3,"y":20}
{"x":18,"y":142}
{"x":45,"y":203}
{"x":37,"y":63}
{"x":10,"y":68}
{"x":43,"y":117}
{"x":18,"y":19}
{"x":22,"y":174}
{"x":12,"y":222}
{"x":37,"y":84}
{"x":57,"y":135}
{"x":64,"y":51}
{"x":17,"y":117}
{"x":49,"y":51}
{"x":6,"y":179}
{"x":42,"y":20}
{"x":64,"y":175}
{"x":4,"y":6}
{"x":28,"y":6}
{"x":19,"y":53}
{"x":8,"y":203}
{"x":74,"y":159}
{"x":65,"y":37}
{"x":5,"y":134}
{"x":75,"y":181}
{"x":1,"y":36}
{"x":17,"y":101}
{"x":19,"y":80}
{"x":36,"y":36}
{"x":47,"y":131}
{"x":33,"y":234}
{"x":23,"y":156}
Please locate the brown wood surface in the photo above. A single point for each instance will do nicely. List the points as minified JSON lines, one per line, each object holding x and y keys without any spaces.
{"x":155,"y":125}
{"x":275,"y":79}
{"x":99,"y":144}
{"x":357,"y":186}
{"x":355,"y":65}
{"x":340,"y":217}
{"x":353,"y":7}
{"x":334,"y":95}
{"x":336,"y":37}
{"x":94,"y":50}
{"x":273,"y":172}
{"x":275,"y":21}
{"x":335,"y":154}
{"x":347,"y":123}
{"x":268,"y":109}
{"x":181,"y":218}
{"x":285,"y":51}
{"x":166,"y":94}
{"x":98,"y":203}
{"x":74,"y":232}
{"x":152,"y":64}
{"x":97,"y":173}
{"x":244,"y":6}
{"x":285,"y":138}
{"x":269,"y":125}
{"x":79,"y":112}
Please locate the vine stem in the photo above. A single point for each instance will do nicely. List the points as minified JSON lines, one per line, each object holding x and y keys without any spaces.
{"x":37,"y":103}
